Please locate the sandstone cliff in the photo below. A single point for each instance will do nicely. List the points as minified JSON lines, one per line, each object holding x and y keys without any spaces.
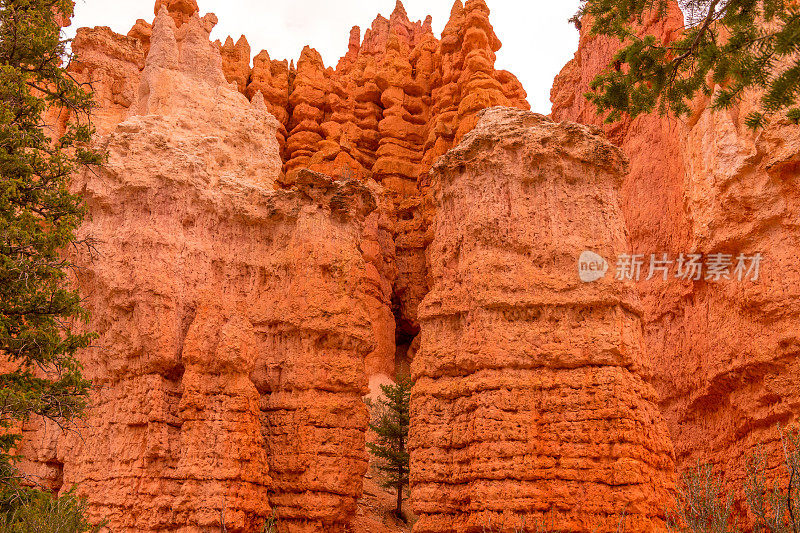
{"x":232,"y":315}
{"x":267,"y":236}
{"x":532,"y":404}
{"x":722,"y":352}
{"x":243,"y":301}
{"x":398,"y":100}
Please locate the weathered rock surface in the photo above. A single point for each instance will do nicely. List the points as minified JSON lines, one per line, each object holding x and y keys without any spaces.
{"x":246,"y":302}
{"x":271,"y":79}
{"x":111,"y":63}
{"x":532,"y":402}
{"x":236,"y":61}
{"x":396,"y":102}
{"x":180,"y":10}
{"x":723,"y":353}
{"x":233,"y":317}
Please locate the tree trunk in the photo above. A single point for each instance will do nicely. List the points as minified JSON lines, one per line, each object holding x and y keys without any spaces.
{"x":399,"y":510}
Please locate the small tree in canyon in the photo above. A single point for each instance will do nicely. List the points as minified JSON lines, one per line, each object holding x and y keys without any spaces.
{"x":735,"y":45}
{"x":38,"y":219}
{"x":391,"y":429}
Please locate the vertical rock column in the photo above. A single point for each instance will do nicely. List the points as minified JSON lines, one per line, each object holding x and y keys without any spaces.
{"x":532,"y":406}
{"x":236,"y":61}
{"x":314,"y":331}
{"x":307,"y":103}
{"x":271,"y":79}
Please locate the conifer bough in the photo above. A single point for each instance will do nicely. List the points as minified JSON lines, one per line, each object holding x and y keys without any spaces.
{"x":727,"y":48}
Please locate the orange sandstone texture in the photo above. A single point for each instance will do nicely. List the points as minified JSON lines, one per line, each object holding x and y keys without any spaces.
{"x":232,"y":316}
{"x":111,"y":63}
{"x":142,"y":31}
{"x":236,"y":61}
{"x":723,"y":353}
{"x":372,"y":114}
{"x":532,"y":402}
{"x":398,"y":100}
{"x":271,"y":79}
{"x":180,"y":10}
{"x":307,"y":100}
{"x":245,"y":302}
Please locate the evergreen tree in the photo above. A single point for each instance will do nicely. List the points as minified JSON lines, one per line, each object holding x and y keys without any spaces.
{"x":391,"y":429}
{"x":737,"y":44}
{"x":38,"y":218}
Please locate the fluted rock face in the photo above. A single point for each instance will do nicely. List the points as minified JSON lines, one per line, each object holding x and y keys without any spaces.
{"x":236,"y":61}
{"x":398,"y":100}
{"x":111,"y":64}
{"x":311,"y":87}
{"x":722,"y":352}
{"x":246,"y":300}
{"x":234,"y":318}
{"x":316,"y":338}
{"x":271,"y":79}
{"x":652,"y":143}
{"x":532,"y":403}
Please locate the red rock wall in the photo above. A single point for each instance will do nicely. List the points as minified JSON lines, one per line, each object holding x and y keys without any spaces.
{"x":246,"y":302}
{"x":723,"y":353}
{"x":234,"y":316}
{"x":398,"y":100}
{"x":317,"y":334}
{"x":532,"y":403}
{"x":249,"y":301}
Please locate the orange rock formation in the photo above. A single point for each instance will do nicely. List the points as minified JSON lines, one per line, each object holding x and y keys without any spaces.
{"x":268,"y":235}
{"x":232,"y":360}
{"x":531,"y":402}
{"x":232,"y":316}
{"x":722,"y":352}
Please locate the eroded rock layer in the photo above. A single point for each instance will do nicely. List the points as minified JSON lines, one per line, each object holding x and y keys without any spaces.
{"x":398,"y":100}
{"x":231,"y":386}
{"x":232,"y":316}
{"x":395,"y":102}
{"x":532,"y":402}
{"x":244,"y":301}
{"x":723,"y":352}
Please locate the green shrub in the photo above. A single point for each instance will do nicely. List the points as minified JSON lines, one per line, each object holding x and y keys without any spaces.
{"x":41,"y":513}
{"x":775,"y":509}
{"x":391,"y":435}
{"x":271,"y":525}
{"x":702,"y":506}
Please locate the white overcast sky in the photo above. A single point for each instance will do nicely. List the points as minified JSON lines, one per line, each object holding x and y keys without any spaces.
{"x":537,"y":37}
